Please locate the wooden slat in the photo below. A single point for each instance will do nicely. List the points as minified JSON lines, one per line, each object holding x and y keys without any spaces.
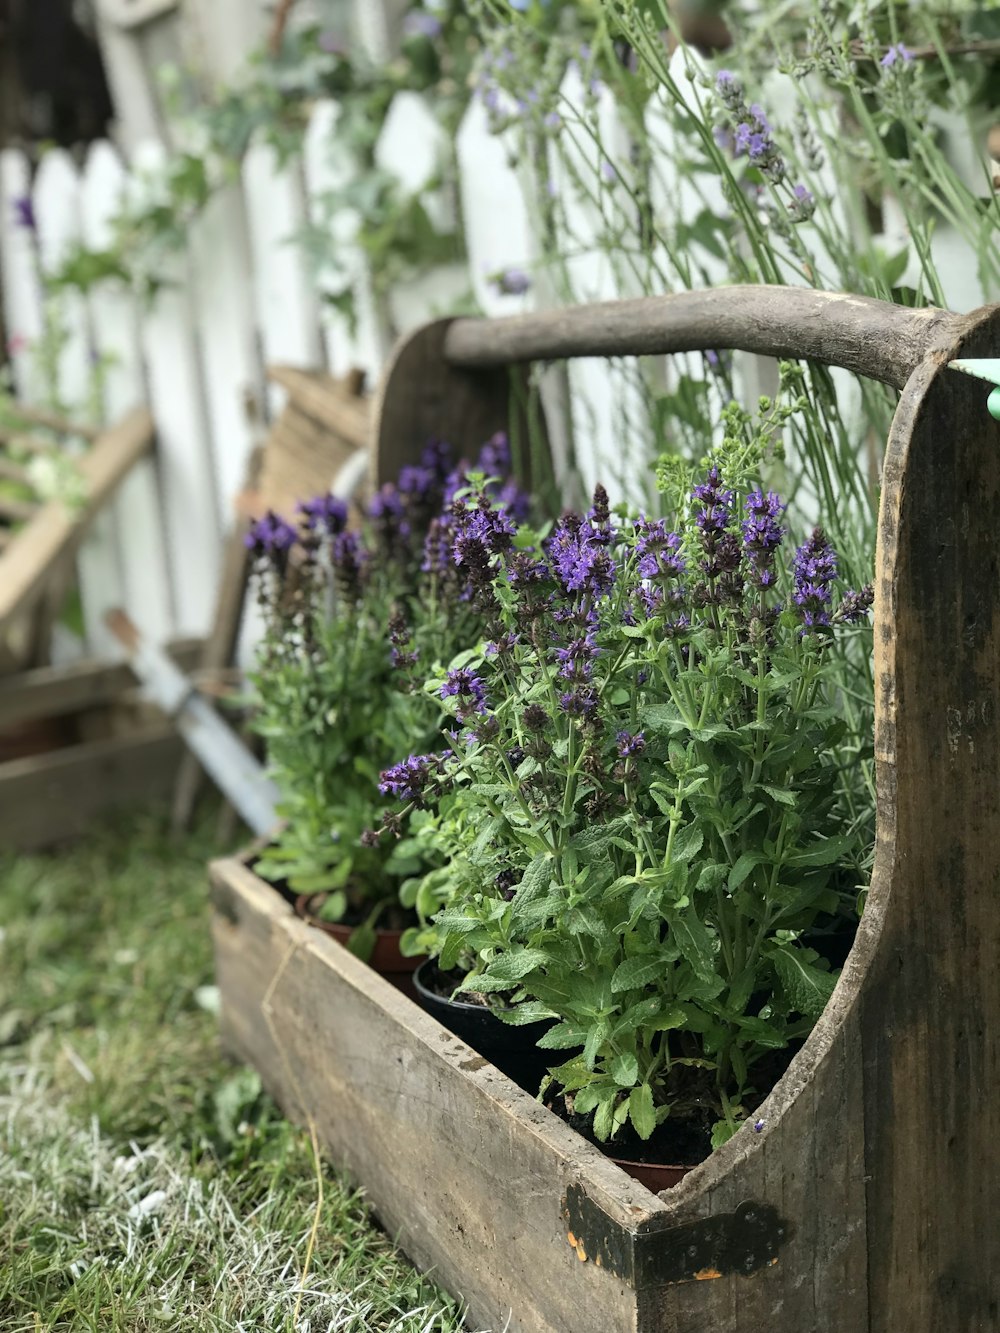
{"x":55,"y":691}
{"x":48,"y":798}
{"x":56,"y":530}
{"x":336,"y":404}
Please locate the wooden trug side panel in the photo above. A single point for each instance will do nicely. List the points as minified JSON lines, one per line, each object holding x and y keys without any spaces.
{"x":932,"y":1006}
{"x":464,"y":1169}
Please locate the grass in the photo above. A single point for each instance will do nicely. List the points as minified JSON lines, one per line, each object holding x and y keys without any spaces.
{"x":145,"y":1184}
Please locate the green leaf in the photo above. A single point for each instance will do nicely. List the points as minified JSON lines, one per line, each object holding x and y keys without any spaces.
{"x":687,"y":844}
{"x":509,"y":968}
{"x":741,"y":870}
{"x":641,"y":1110}
{"x":807,"y":987}
{"x":562,"y":1037}
{"x":780,"y":794}
{"x":825,"y":853}
{"x":361,"y":941}
{"x":635,"y":973}
{"x":693,"y":940}
{"x":624,"y":1069}
{"x":604,"y":1119}
{"x":722,"y":1132}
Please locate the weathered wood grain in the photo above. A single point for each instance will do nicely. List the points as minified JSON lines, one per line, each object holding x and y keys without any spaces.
{"x":865,"y":1203}
{"x":57,"y":691}
{"x":56,"y":529}
{"x":873,"y":338}
{"x":52,"y":797}
{"x":423,"y":397}
{"x":931,"y":1001}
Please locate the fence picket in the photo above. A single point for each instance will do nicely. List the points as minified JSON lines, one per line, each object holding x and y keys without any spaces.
{"x":170,"y":351}
{"x":22,"y":295}
{"x":286,"y":305}
{"x":138,"y":518}
{"x":355,"y":338}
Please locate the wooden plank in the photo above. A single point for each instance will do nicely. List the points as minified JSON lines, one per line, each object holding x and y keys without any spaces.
{"x":931,"y":1023}
{"x":463,"y":1167}
{"x":46,"y":799}
{"x":56,"y":530}
{"x":337,"y":404}
{"x":55,"y":691}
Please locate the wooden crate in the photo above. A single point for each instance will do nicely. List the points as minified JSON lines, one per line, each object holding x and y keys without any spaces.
{"x":76,"y":743}
{"x":865,"y":1203}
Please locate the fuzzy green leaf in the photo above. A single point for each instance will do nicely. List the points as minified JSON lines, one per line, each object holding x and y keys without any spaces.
{"x":641,"y":1110}
{"x":807,"y":987}
{"x":634,"y":973}
{"x":624,"y":1069}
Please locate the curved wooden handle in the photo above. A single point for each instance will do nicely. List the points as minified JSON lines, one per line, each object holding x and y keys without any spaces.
{"x":872,"y":338}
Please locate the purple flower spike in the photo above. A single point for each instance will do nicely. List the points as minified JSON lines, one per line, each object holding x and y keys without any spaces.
{"x":408,"y":780}
{"x":270,"y":536}
{"x":512,"y":282}
{"x":762,"y":534}
{"x":628,"y":745}
{"x":658,"y":551}
{"x":465,"y":685}
{"x":814,"y":569}
{"x":855,"y":605}
{"x":328,"y":512}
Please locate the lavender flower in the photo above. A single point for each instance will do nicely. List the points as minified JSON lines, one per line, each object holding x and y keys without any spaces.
{"x":576,"y":661}
{"x":350,"y":559}
{"x":494,"y":456}
{"x":658,"y":550}
{"x":511,"y":281}
{"x":762,"y":534}
{"x":802,"y":206}
{"x":581,"y":703}
{"x":814,"y":569}
{"x":580,"y":562}
{"x":894,"y":53}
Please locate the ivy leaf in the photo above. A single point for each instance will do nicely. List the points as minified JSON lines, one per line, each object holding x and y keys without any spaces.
{"x":641,"y":1110}
{"x":807,"y":987}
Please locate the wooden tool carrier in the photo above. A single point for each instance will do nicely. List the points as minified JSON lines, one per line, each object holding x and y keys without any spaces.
{"x":868,"y":1203}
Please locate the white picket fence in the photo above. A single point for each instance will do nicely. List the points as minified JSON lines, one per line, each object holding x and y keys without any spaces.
{"x":240,"y":297}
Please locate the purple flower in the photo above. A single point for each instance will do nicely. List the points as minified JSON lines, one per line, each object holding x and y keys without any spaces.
{"x":350,"y":558}
{"x":894,"y":53}
{"x":331,"y":43}
{"x":494,"y":456}
{"x":270,"y":536}
{"x":814,"y":569}
{"x":24,"y":212}
{"x":658,"y":550}
{"x":437,"y":546}
{"x":627,"y":744}
{"x":581,"y":703}
{"x":418,"y":24}
{"x":328,"y":512}
{"x":803,"y":205}
{"x":576,"y":661}
{"x":512,"y":281}
{"x":465,"y":685}
{"x":581,"y":563}
{"x":762,"y":534}
{"x":408,"y":780}
{"x":417,"y":480}
{"x":854,"y":605}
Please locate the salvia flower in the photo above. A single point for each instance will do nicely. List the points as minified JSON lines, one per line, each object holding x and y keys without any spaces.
{"x":576,"y":661}
{"x":854,"y":605}
{"x":762,"y":534}
{"x":470,"y":691}
{"x":512,"y":281}
{"x":628,"y":744}
{"x":658,"y":550}
{"x":325,"y":512}
{"x":407,"y":781}
{"x":270,"y":536}
{"x":814,"y":569}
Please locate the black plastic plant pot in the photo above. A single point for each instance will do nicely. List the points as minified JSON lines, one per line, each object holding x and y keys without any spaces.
{"x":511,"y":1049}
